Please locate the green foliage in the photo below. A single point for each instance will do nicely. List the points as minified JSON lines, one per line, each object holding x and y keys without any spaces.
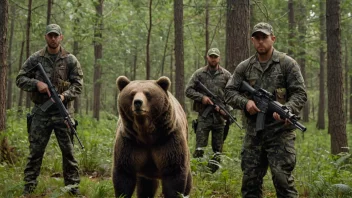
{"x":317,"y":173}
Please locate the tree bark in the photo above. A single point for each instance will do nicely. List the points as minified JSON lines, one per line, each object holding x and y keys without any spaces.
{"x":291,"y":28}
{"x":48,"y":13}
{"x":28,"y":30}
{"x":148,"y":41}
{"x":98,"y":54}
{"x":179,"y":53}
{"x":206,"y":31}
{"x":321,"y":108}
{"x":9,"y":60}
{"x":302,"y":30}
{"x":237,"y":33}
{"x":337,"y":122}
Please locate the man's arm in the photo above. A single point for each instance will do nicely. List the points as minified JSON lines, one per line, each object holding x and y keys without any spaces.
{"x":25,"y":79}
{"x":297,"y":95}
{"x":75,"y":76}
{"x":232,"y":94}
{"x":191,"y":91}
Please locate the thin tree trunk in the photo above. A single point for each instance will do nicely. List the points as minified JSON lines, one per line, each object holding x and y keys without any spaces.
{"x":9,"y":79}
{"x":28,"y":30}
{"x":346,"y":78}
{"x":179,"y":53}
{"x":337,"y":122}
{"x":172,"y":71}
{"x":206,"y":31}
{"x":321,"y":108}
{"x":20,"y":97}
{"x":165,"y":49}
{"x":148,"y":40}
{"x":48,"y":13}
{"x":291,"y":28}
{"x":98,"y":54}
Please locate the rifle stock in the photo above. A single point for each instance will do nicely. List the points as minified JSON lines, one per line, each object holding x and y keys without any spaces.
{"x":265,"y":101}
{"x":63,"y":111}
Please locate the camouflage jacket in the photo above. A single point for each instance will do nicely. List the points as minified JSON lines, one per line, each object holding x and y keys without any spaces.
{"x":214,"y":82}
{"x":65,"y":73}
{"x":281,"y":76}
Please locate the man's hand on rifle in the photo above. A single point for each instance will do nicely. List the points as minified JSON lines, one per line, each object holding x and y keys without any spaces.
{"x":277,"y":117}
{"x":206,"y":100}
{"x":43,"y":88}
{"x":222,"y":113}
{"x":251,"y":107}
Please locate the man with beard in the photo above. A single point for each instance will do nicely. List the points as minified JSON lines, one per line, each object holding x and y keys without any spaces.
{"x":215,"y":78}
{"x":272,"y":147}
{"x":65,"y":73}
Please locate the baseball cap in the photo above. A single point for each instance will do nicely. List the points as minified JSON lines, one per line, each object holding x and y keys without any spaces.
{"x":213,"y":51}
{"x":263,"y":27}
{"x":53,"y":28}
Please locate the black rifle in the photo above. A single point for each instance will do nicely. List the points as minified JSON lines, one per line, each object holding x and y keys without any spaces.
{"x":59,"y":104}
{"x":265,"y":102}
{"x":217,"y":102}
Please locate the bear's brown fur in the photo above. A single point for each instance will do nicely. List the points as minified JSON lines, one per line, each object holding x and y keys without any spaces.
{"x":151,"y":141}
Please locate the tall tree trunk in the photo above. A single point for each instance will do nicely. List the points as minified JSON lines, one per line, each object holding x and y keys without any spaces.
{"x":206,"y":31}
{"x":291,"y":28}
{"x":350,"y":98}
{"x":346,"y":78}
{"x":77,"y":101}
{"x":135,"y":58}
{"x":337,"y":122}
{"x":5,"y":149}
{"x":172,"y":71}
{"x":10,"y":61}
{"x":237,"y":33}
{"x":179,"y":56}
{"x":28,"y":30}
{"x":48,"y":13}
{"x":98,"y":54}
{"x":165,"y":49}
{"x":321,"y":108}
{"x":302,"y":50}
{"x":20,"y":97}
{"x":148,"y":40}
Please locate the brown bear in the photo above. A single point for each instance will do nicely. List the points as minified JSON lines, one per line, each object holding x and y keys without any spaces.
{"x":151,"y":141}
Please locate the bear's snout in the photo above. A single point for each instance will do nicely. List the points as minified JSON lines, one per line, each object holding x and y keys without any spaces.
{"x":137,"y":104}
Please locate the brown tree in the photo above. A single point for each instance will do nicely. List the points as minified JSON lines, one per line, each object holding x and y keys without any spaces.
{"x":321,"y":109}
{"x":337,"y":122}
{"x":98,"y":54}
{"x":5,"y":150}
{"x":48,"y":12}
{"x":179,"y":56}
{"x":291,"y":27}
{"x":28,"y":35}
{"x":149,"y":28}
{"x":9,"y":60}
{"x":237,"y":33}
{"x":302,"y":30}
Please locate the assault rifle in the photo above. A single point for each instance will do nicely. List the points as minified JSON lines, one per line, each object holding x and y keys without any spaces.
{"x":265,"y":102}
{"x":59,"y":104}
{"x":217,"y":102}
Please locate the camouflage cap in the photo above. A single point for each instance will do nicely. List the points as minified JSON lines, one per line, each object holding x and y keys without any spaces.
{"x":53,"y":28}
{"x":213,"y":51}
{"x":263,"y":27}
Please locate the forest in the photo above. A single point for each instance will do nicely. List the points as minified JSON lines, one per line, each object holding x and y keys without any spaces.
{"x":147,"y":39}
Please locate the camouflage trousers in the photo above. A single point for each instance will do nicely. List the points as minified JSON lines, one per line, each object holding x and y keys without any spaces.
{"x":265,"y":150}
{"x":39,"y":135}
{"x":202,"y":135}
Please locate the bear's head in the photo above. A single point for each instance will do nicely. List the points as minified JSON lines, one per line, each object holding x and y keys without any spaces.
{"x":143,"y":104}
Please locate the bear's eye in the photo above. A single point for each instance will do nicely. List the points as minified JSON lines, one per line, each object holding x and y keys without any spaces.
{"x":147,"y":95}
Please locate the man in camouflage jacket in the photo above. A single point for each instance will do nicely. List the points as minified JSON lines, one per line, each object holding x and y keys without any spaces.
{"x":65,"y":73}
{"x":274,"y":146}
{"x":215,"y":78}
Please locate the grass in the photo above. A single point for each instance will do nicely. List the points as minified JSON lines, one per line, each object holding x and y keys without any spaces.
{"x":317,"y":174}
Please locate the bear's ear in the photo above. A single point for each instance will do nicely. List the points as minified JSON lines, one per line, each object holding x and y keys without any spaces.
{"x":164,"y":82}
{"x":122,"y":82}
